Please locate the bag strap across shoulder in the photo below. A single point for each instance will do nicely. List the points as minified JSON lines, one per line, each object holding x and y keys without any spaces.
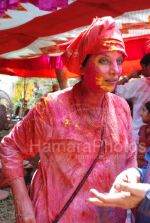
{"x":80,"y":185}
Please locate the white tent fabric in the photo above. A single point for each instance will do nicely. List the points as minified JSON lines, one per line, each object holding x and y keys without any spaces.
{"x":19,"y":41}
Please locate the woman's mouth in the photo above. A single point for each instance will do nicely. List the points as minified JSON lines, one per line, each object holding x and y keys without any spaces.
{"x":112,"y":81}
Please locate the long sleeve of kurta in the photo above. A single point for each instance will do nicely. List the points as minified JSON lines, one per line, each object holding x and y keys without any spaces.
{"x":25,"y":140}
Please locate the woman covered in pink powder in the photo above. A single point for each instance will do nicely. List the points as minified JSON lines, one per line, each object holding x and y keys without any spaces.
{"x":69,"y":129}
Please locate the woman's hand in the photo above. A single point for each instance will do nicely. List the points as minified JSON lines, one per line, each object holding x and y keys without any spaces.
{"x":121,"y":194}
{"x":130,"y":175}
{"x":130,"y":195}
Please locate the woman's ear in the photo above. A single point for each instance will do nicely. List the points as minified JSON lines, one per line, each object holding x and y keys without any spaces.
{"x":82,"y":71}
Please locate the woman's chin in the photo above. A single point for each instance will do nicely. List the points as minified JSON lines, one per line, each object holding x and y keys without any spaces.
{"x":107,"y":88}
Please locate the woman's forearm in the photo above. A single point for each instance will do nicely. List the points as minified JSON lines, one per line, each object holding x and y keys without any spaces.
{"x":18,"y":186}
{"x":23,"y":204}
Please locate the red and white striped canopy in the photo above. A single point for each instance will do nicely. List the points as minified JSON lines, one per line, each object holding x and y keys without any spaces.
{"x":28,"y":32}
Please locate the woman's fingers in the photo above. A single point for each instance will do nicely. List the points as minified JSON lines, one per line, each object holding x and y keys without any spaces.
{"x":129,"y":196}
{"x":128,"y":176}
{"x":137,"y":189}
{"x":96,"y":201}
{"x":98,"y":195}
{"x":110,"y":199}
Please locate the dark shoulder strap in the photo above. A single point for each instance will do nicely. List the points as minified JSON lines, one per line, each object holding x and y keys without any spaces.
{"x":80,"y":185}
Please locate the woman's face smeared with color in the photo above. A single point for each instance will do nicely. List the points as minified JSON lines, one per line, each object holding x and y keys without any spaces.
{"x":102,"y":71}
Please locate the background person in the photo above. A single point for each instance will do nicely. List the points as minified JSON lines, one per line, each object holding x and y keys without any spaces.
{"x":3,"y":118}
{"x":144,"y":136}
{"x":138,"y":92}
{"x":3,"y":193}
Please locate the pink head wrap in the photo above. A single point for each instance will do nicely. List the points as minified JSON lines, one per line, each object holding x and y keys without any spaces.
{"x":102,"y":35}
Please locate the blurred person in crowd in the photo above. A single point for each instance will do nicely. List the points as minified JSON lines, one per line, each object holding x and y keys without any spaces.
{"x":3,"y":193}
{"x":137,"y":91}
{"x":144,"y":136}
{"x":55,"y":87}
{"x":3,"y":117}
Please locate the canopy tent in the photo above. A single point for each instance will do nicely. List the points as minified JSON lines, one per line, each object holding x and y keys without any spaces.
{"x":43,"y":5}
{"x":41,"y":33}
{"x":44,"y":66}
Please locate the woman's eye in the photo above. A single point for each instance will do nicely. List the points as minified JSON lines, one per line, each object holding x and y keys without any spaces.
{"x":103,"y":61}
{"x":119,"y":61}
{"x":106,"y":61}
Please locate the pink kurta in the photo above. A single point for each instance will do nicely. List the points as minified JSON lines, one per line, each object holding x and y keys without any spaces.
{"x":68,"y":142}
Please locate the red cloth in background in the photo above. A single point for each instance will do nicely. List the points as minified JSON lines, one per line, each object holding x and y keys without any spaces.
{"x":44,"y":66}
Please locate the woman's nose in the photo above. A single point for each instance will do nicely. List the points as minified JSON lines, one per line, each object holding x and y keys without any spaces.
{"x":114,"y":70}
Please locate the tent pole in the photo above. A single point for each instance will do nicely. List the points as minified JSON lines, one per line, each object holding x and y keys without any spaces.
{"x":24,"y":97}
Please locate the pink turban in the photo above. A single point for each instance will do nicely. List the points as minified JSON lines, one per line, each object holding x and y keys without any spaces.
{"x":102,"y":35}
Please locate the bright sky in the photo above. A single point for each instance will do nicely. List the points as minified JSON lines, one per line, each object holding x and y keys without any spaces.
{"x":7,"y":84}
